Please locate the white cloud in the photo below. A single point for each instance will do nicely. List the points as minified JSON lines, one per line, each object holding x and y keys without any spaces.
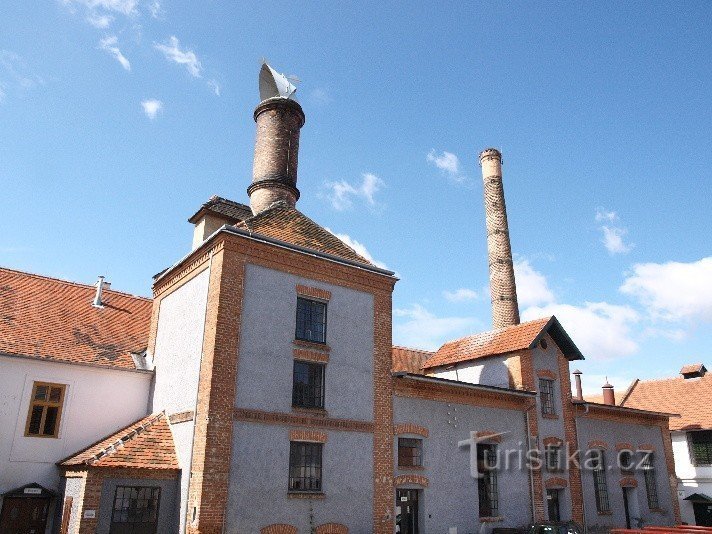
{"x":341,"y":194}
{"x":14,"y":73}
{"x":215,"y":86}
{"x":601,"y":330}
{"x":603,"y":215}
{"x":125,"y":7}
{"x":612,"y":235}
{"x":673,"y":334}
{"x":448,"y":163}
{"x":187,"y":58}
{"x":108,"y":44}
{"x":460,"y":295}
{"x":155,"y":9}
{"x":359,"y":247}
{"x":99,"y":21}
{"x":151,"y":107}
{"x":417,"y":327}
{"x":532,"y":287}
{"x":321,"y":96}
{"x":673,"y":291}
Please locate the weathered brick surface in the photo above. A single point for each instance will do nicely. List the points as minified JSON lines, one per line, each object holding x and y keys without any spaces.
{"x":403,"y":480}
{"x":302,"y":434}
{"x":410,"y":428}
{"x":628,"y":482}
{"x":556,"y":483}
{"x":279,"y":529}
{"x":314,"y":292}
{"x":311,"y":355}
{"x":332,"y":528}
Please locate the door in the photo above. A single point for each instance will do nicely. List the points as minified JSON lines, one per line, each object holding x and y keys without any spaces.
{"x":626,"y":506}
{"x":407,"y":511}
{"x":552,"y":502}
{"x":703,"y":514}
{"x":23,"y":515}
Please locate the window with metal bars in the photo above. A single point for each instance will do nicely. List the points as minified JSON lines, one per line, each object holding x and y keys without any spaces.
{"x":308,"y":385}
{"x":700,"y":443}
{"x":552,"y":458}
{"x":626,"y":462}
{"x":311,"y":320}
{"x":546,"y":390}
{"x":45,"y":410}
{"x":305,"y":466}
{"x":598,"y":465}
{"x":651,"y":487}
{"x":135,"y":510}
{"x":487,"y":482}
{"x":410,"y":452}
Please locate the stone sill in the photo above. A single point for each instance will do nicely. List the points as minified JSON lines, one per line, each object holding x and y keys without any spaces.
{"x":323,"y":347}
{"x":306,"y":495}
{"x":605,"y":513}
{"x":495,"y":519}
{"x":318,"y":412}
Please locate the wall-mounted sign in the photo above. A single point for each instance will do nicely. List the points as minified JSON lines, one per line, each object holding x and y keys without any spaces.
{"x":32,"y":491}
{"x":89,"y":514}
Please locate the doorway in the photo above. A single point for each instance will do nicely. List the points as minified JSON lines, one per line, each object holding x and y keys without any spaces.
{"x":407,"y":511}
{"x":24,"y":515}
{"x":552,"y":503}
{"x":703,"y":513}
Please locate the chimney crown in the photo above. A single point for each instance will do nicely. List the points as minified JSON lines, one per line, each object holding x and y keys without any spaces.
{"x":609,"y":395}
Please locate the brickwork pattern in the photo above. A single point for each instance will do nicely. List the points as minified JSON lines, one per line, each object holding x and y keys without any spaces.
{"x":314,"y":292}
{"x":332,"y":528}
{"x":526,"y":362}
{"x":546,"y":373}
{"x":404,"y":480}
{"x":410,"y":428}
{"x":628,"y":482}
{"x":556,"y":483}
{"x":489,"y":436}
{"x":310,"y":355}
{"x":279,"y":529}
{"x":301,"y":434}
{"x":307,"y":420}
{"x":552,"y":440}
{"x":624,"y":447}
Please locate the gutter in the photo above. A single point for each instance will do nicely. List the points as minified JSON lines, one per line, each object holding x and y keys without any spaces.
{"x":464,"y":385}
{"x":147,"y":372}
{"x":623,"y":409}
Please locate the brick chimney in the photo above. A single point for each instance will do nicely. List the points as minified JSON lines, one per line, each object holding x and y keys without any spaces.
{"x":505,"y":310}
{"x":609,"y":396}
{"x":274,"y":173}
{"x":579,"y":389}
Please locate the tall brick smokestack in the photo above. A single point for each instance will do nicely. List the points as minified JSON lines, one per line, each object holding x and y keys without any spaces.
{"x":274,"y":172}
{"x":505,"y":310}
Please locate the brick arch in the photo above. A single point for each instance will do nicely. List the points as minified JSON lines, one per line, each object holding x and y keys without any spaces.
{"x":332,"y":528}
{"x":410,"y":428}
{"x":597,"y":444}
{"x":556,"y":483}
{"x":280,"y":528}
{"x":628,"y":482}
{"x":552,"y":440}
{"x":402,"y":480}
{"x":624,"y":446}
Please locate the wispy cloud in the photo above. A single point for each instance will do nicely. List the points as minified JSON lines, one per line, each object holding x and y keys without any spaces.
{"x":155,"y":9}
{"x":359,"y":247}
{"x":110,"y":44}
{"x":124,"y":7}
{"x":613,"y":232}
{"x":15,"y":74}
{"x":173,"y":52}
{"x":321,"y":96}
{"x":151,"y":107}
{"x":341,"y":194}
{"x":460,"y":295}
{"x":214,"y":86}
{"x":448,"y":163}
{"x":98,"y":20}
{"x":532,"y":286}
{"x":417,"y":327}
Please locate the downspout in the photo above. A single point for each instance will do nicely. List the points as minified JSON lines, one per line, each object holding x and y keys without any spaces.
{"x":578,"y":448}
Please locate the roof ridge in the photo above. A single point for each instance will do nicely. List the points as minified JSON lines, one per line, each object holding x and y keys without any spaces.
{"x":497,"y":330}
{"x":71,"y":283}
{"x":413,"y":349}
{"x":223,"y":199}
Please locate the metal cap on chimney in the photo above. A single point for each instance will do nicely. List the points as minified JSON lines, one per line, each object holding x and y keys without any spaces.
{"x":577,"y":379}
{"x":100,"y":286}
{"x":609,"y":395}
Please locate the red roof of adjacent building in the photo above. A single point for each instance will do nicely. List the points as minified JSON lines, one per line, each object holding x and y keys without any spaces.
{"x":47,"y":318}
{"x":502,"y":341}
{"x":409,"y":360}
{"x":147,"y":443}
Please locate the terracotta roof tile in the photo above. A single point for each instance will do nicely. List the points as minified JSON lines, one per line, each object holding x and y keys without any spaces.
{"x":410,"y":360}
{"x":53,"y":319}
{"x":693,"y":368}
{"x":232,"y":211}
{"x":147,"y":443}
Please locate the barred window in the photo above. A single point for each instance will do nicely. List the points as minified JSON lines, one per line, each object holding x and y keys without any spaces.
{"x":135,"y":510}
{"x":651,"y":487}
{"x":546,"y":389}
{"x":45,"y":410}
{"x":552,"y":458}
{"x":700,"y":447}
{"x":626,"y":462}
{"x":410,"y":452}
{"x":598,"y":465}
{"x":311,"y":320}
{"x":487,"y":482}
{"x":308,"y":385}
{"x":305,"y":466}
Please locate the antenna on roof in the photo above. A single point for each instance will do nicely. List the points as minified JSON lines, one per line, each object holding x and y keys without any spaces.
{"x":274,"y":84}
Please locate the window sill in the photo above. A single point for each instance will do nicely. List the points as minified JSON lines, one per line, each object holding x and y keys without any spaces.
{"x":312,"y":345}
{"x":494,"y":519}
{"x":411,"y":467}
{"x":549,"y":416}
{"x":607,"y":512}
{"x":658,"y":511}
{"x":306,"y":495}
{"x":319,"y":412}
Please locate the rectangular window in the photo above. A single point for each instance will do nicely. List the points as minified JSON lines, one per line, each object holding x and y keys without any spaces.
{"x":599,"y":480}
{"x":410,"y":452}
{"x":308,"y":385}
{"x":305,"y":466}
{"x":487,"y":482}
{"x":311,"y":320}
{"x":546,"y":390}
{"x":45,"y":410}
{"x":700,"y":447}
{"x":651,"y":487}
{"x":552,"y":458}
{"x":135,"y":510}
{"x":626,"y":462}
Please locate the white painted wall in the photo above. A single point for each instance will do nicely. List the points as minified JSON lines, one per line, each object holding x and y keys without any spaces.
{"x":692,"y":479}
{"x":488,"y":372}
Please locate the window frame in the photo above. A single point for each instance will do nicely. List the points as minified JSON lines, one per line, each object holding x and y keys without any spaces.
{"x":650,"y":476}
{"x":416,"y":455}
{"x":600,"y":482}
{"x":487,"y":483}
{"x":304,"y":337}
{"x":319,"y":399}
{"x":707,"y":445}
{"x":155,"y":495}
{"x":316,"y":451}
{"x":45,"y":404}
{"x":556,"y":449}
{"x":547,"y":396}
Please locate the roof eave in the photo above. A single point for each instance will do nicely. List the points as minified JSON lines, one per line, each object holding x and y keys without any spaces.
{"x":561,"y":337}
{"x":464,"y":385}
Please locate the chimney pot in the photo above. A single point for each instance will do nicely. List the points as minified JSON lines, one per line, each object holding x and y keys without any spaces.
{"x":577,"y":379}
{"x":609,"y":395}
{"x":100,"y":286}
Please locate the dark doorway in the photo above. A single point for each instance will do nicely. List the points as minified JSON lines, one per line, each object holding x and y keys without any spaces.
{"x":407,"y":511}
{"x":626,"y":506}
{"x":703,"y":513}
{"x":552,"y":503}
{"x":24,"y":515}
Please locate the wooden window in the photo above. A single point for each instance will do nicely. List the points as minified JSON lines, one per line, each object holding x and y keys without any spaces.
{"x":487,"y":492}
{"x":311,"y":320}
{"x":700,"y":443}
{"x":304,"y":466}
{"x":546,"y":390}
{"x":308,"y":385}
{"x":651,"y":487}
{"x":552,"y":457}
{"x":135,"y":510}
{"x":598,"y":464}
{"x":45,"y":410}
{"x":410,"y":452}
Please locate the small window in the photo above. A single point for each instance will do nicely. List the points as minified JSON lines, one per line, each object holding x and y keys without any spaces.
{"x":410,"y":452}
{"x":135,"y":510}
{"x":598,"y":465}
{"x":546,"y":390}
{"x":308,"y":385}
{"x":488,"y":497}
{"x":311,"y":320}
{"x":552,"y":458}
{"x":700,"y":447}
{"x":45,"y":410}
{"x":626,"y":462}
{"x":305,"y":466}
{"x":651,"y":487}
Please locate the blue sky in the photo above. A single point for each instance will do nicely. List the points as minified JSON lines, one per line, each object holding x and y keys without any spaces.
{"x":118,"y":118}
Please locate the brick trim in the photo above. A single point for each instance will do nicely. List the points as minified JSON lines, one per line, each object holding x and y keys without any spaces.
{"x":419,"y":480}
{"x":552,"y":440}
{"x":646,"y":447}
{"x":536,"y":489}
{"x":489,"y":435}
{"x":311,"y":421}
{"x":410,"y":428}
{"x":314,"y":292}
{"x":556,"y":483}
{"x":311,"y":345}
{"x":494,"y":519}
{"x":332,"y":528}
{"x":628,"y":482}
{"x":279,"y":529}
{"x":670,"y":464}
{"x":303,"y":434}
{"x":310,"y":355}
{"x":571,"y":435}
{"x":546,"y":373}
{"x":624,"y":446}
{"x":597,"y":444}
{"x":181,"y":417}
{"x":306,"y":495}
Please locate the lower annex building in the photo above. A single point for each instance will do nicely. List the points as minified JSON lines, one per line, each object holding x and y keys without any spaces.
{"x":259,"y":392}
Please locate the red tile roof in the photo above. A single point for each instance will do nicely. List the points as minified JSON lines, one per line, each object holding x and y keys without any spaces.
{"x":687,"y":397}
{"x":52,"y":319}
{"x":693,"y":368}
{"x":502,"y":341}
{"x":147,"y":443}
{"x":409,"y":360}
